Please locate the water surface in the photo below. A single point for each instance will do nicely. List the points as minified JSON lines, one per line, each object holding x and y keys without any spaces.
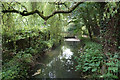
{"x":59,"y":63}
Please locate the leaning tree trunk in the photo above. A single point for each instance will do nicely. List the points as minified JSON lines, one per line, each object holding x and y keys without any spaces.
{"x":89,"y":31}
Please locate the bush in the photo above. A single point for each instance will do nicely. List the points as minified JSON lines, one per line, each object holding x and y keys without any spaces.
{"x":90,"y":59}
{"x":21,"y":39}
{"x":17,"y":67}
{"x":111,"y":72}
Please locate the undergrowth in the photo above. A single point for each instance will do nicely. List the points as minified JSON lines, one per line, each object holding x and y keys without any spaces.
{"x":20,"y":50}
{"x":91,"y":61}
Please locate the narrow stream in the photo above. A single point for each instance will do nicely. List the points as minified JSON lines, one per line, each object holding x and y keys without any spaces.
{"x":59,"y":63}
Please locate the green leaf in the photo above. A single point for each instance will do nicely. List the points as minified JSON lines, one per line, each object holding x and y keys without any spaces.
{"x":86,"y":63}
{"x":86,"y":69}
{"x":98,"y":63}
{"x":113,"y":68}
{"x":95,"y":69}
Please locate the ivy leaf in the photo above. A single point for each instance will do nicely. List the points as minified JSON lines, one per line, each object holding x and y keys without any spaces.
{"x":113,"y":68}
{"x":86,"y":64}
{"x":94,"y":69}
{"x":86,"y":69}
{"x":98,"y":63}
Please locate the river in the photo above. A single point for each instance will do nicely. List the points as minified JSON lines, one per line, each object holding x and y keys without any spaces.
{"x":59,"y":63}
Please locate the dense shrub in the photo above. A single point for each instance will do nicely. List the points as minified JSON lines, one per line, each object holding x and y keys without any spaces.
{"x":21,"y":49}
{"x":17,"y":67}
{"x":112,"y":65}
{"x":21,"y":39}
{"x":89,"y":60}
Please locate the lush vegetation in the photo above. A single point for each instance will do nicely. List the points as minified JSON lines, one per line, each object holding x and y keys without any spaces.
{"x":100,"y":54}
{"x":91,"y":60}
{"x":21,"y":51}
{"x":31,"y":29}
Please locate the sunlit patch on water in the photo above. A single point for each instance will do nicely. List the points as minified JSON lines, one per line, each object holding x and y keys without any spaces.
{"x":66,"y":53}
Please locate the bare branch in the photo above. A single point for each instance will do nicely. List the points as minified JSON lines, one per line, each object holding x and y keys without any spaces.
{"x":24,"y":13}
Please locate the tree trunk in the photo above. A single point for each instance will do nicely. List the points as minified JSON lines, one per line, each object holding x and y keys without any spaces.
{"x":89,"y":31}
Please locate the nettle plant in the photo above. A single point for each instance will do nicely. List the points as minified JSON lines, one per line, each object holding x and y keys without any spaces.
{"x":90,"y":59}
{"x":112,"y":67}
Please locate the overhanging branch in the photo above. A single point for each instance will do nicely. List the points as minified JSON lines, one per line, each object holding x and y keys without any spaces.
{"x":25,"y":13}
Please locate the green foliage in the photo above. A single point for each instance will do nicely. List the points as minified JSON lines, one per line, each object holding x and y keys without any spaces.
{"x":17,"y":67}
{"x":83,"y":18}
{"x":90,"y":59}
{"x":29,"y":36}
{"x":113,"y":65}
{"x":20,"y":34}
{"x":111,"y":10}
{"x":26,"y":37}
{"x":34,"y":36}
{"x":27,"y":58}
{"x":49,"y":43}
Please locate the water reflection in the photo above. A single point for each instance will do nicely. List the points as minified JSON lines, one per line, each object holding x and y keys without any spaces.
{"x":59,"y":63}
{"x":52,"y":74}
{"x":66,"y":53}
